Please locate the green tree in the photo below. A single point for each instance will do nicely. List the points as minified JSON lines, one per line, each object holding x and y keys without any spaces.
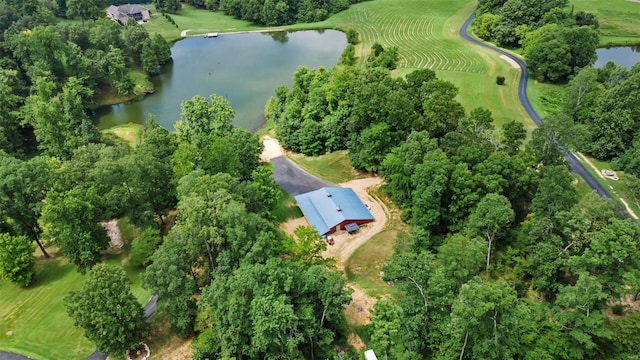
{"x":149,"y":59}
{"x":143,"y":247}
{"x":17,"y":263}
{"x":162,"y":49}
{"x":386,"y":333}
{"x":555,"y":192}
{"x":72,"y":224}
{"x":275,"y":310}
{"x":486,"y":321}
{"x":118,"y":73}
{"x":485,"y":26}
{"x":513,"y":134}
{"x":491,"y":217}
{"x":580,"y":318}
{"x":307,"y":247}
{"x":23,"y":186}
{"x":85,"y":9}
{"x":107,"y":311}
{"x":10,"y":101}
{"x":170,"y":277}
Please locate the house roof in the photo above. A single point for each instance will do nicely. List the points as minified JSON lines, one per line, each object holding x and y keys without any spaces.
{"x":329,"y":206}
{"x":123,"y":12}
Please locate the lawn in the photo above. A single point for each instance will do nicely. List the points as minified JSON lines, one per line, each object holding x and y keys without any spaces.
{"x":617,"y":188}
{"x":131,"y":133}
{"x":334,"y":167}
{"x":198,"y":21}
{"x":619,"y":20}
{"x":364,"y":267}
{"x":546,"y":98}
{"x":34,"y":321}
{"x":286,"y":208}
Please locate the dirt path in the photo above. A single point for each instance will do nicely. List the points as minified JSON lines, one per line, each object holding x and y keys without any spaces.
{"x":586,"y":159}
{"x":272,"y":148}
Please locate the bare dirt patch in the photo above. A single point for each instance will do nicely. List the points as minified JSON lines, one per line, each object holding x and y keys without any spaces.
{"x":510,"y":61}
{"x":358,"y":313}
{"x":272,"y":148}
{"x":289,"y":226}
{"x":115,"y":237}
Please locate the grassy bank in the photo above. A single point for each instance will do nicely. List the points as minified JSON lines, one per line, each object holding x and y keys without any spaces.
{"x":619,"y":20}
{"x":617,"y":188}
{"x":197,"y":21}
{"x":34,"y":321}
{"x":109,"y":96}
{"x":334,"y":167}
{"x":131,"y":133}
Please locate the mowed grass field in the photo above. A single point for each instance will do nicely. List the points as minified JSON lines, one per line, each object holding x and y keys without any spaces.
{"x":34,"y":320}
{"x":426,"y":33}
{"x":198,"y":21}
{"x":619,"y":20}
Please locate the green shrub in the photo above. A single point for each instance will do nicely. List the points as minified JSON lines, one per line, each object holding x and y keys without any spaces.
{"x":143,"y":247}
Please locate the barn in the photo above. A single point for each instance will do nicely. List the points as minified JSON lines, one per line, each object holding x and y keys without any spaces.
{"x":330,"y":209}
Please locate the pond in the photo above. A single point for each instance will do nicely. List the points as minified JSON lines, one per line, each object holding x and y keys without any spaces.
{"x":626,"y":56}
{"x":245,"y":68}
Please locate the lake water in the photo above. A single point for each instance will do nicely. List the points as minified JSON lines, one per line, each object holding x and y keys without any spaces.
{"x":626,"y":56}
{"x":245,"y":68}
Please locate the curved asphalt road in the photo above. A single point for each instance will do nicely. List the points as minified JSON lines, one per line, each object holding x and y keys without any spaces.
{"x":574,"y":164}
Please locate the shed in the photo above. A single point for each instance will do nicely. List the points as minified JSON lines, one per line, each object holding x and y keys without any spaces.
{"x":370,"y":355}
{"x":330,"y":209}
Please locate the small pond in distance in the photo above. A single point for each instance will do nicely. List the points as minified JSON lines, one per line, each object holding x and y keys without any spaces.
{"x":245,"y":68}
{"x":626,"y":56}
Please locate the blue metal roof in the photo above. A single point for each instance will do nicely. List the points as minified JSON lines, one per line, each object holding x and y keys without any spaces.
{"x":329,"y":206}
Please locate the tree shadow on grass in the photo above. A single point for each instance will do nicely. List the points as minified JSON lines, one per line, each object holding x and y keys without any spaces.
{"x":50,"y":271}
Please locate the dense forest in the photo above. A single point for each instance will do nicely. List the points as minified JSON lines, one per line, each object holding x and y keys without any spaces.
{"x":272,"y":13}
{"x":266,"y":12}
{"x":556,"y":41}
{"x":506,"y":257}
{"x":52,"y":71}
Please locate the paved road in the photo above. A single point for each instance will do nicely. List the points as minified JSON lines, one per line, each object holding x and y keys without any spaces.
{"x":574,"y":164}
{"x":10,"y":356}
{"x":294,"y":180}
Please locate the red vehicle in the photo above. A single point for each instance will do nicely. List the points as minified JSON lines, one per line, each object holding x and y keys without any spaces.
{"x":330,"y":240}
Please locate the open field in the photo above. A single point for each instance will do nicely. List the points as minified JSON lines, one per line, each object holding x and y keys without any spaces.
{"x":426,"y":34}
{"x":197,"y":20}
{"x":34,"y":321}
{"x":364,"y":267}
{"x":619,"y":20}
{"x":130,"y":133}
{"x":334,"y":167}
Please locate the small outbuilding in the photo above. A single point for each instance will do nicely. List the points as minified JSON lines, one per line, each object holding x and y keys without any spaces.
{"x":370,"y":355}
{"x":330,"y":209}
{"x":123,"y":13}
